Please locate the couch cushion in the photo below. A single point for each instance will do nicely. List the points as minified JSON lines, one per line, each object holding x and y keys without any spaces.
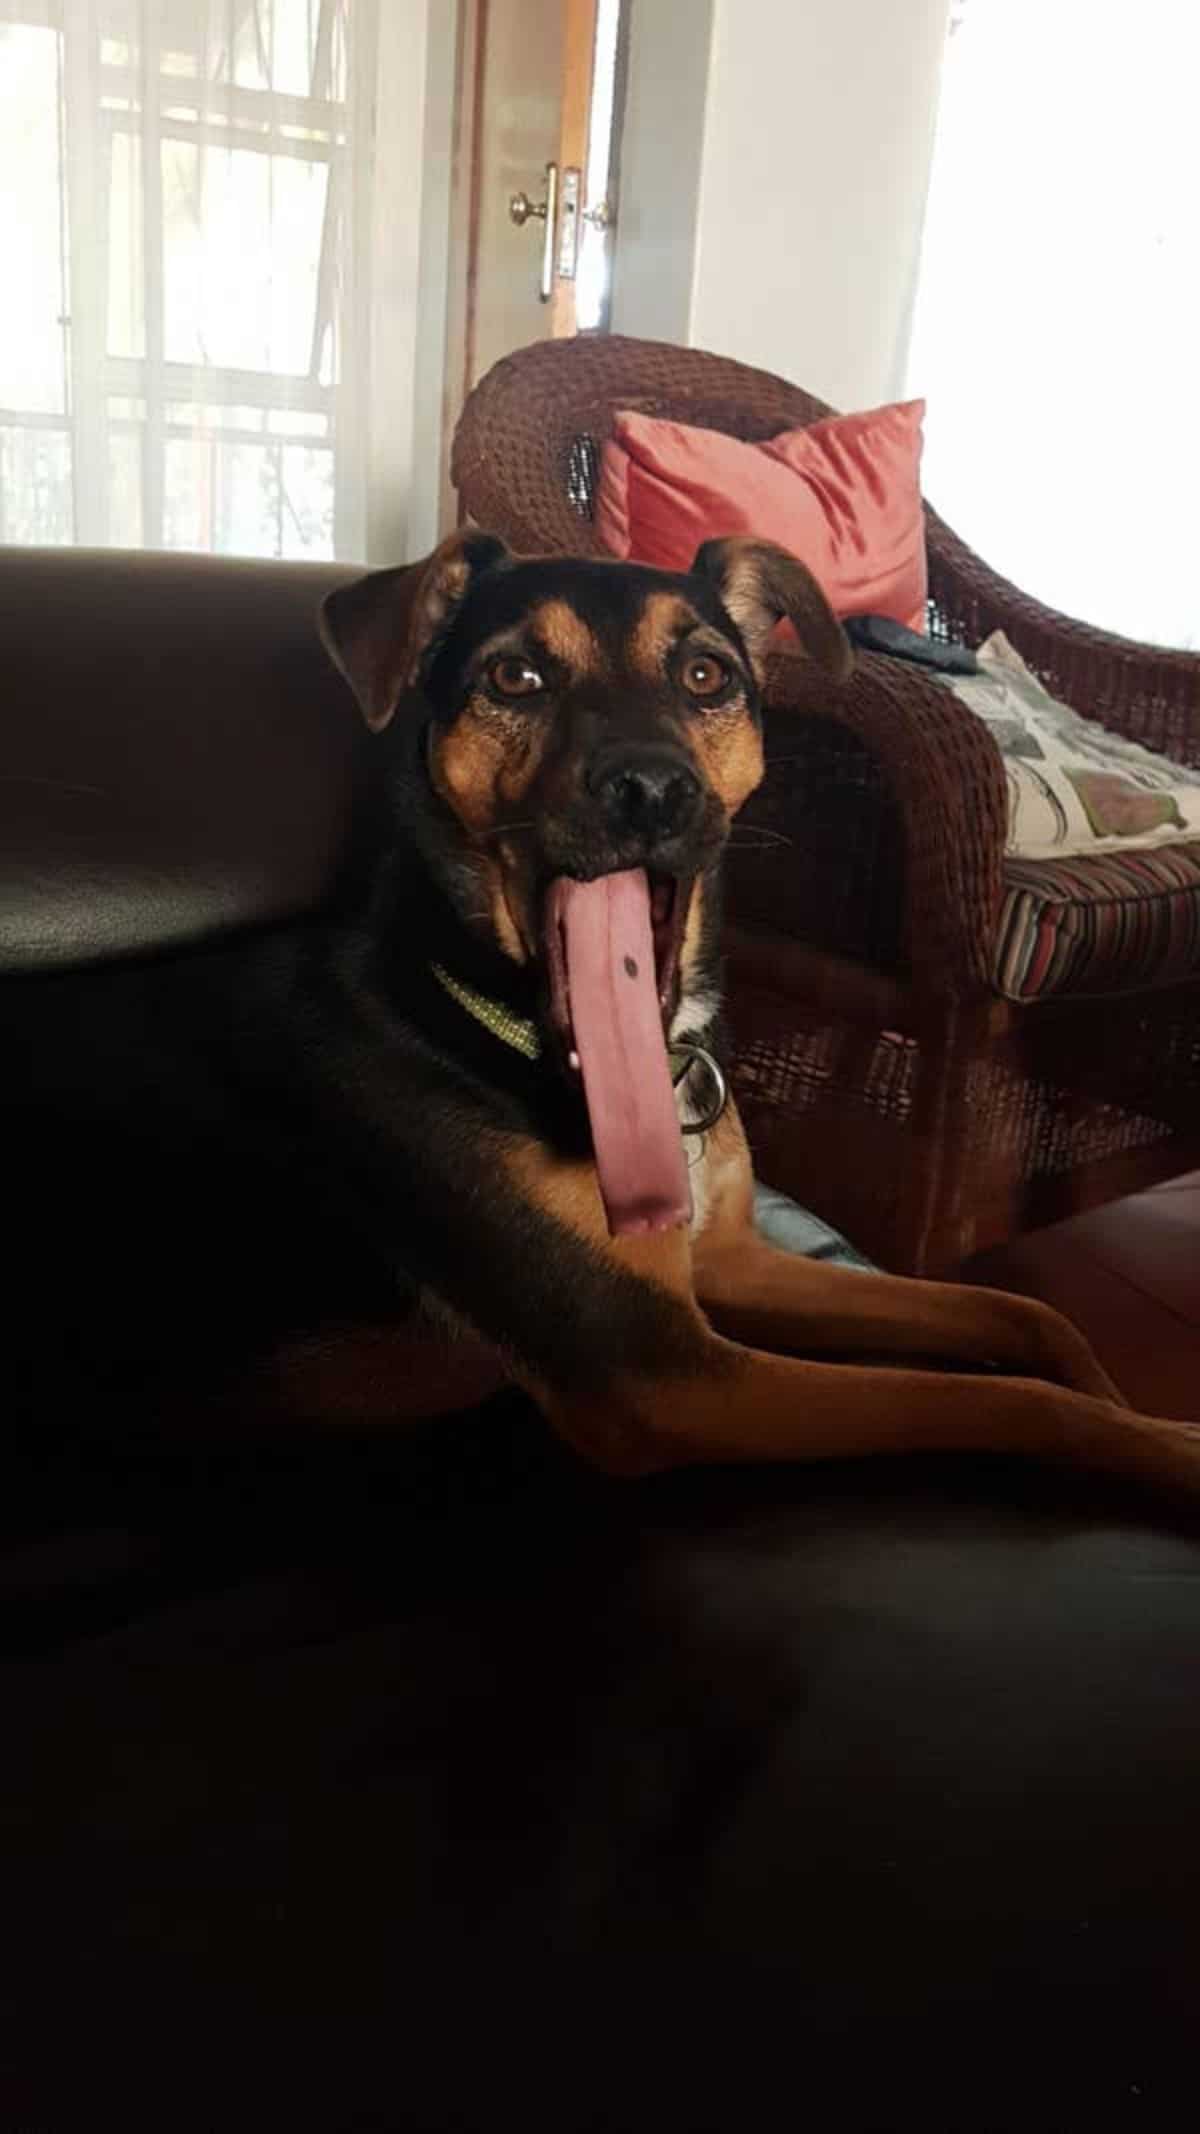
{"x":358,"y":1781}
{"x":1113,"y":921}
{"x":175,"y":750}
{"x":1074,"y":787}
{"x":1102,"y":866}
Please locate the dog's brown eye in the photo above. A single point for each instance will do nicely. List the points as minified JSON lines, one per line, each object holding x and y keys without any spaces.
{"x":514,"y":678}
{"x":704,"y":676}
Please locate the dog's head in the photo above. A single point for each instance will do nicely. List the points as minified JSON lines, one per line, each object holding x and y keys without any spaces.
{"x":578,"y":719}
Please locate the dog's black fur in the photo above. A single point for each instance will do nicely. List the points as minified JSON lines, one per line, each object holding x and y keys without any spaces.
{"x":207,"y":1153}
{"x":209,"y":1149}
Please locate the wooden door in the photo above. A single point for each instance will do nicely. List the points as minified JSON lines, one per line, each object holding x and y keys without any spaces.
{"x":534,"y":211}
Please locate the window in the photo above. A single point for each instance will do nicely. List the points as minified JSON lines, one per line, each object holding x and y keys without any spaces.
{"x":178,"y":365}
{"x":1058,"y":310}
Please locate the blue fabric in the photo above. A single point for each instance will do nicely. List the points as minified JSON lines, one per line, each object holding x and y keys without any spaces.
{"x":796,"y":1229}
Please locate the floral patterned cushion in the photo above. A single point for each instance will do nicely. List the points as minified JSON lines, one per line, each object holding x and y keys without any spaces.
{"x":1073,"y":787}
{"x":1102,"y":860}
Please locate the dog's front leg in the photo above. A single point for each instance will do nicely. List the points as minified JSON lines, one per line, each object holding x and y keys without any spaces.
{"x":776,"y":1300}
{"x":607,"y":1333}
{"x":647,"y":1383}
{"x":745,"y":1405}
{"x":510,"y":1239}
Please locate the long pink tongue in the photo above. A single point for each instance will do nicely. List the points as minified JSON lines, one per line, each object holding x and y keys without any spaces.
{"x":617,"y":1025}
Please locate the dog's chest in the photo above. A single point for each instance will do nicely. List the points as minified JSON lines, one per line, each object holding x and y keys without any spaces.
{"x":694,"y":1014}
{"x":700,"y":1180}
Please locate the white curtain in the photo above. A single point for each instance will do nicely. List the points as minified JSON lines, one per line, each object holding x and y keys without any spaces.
{"x":1057,"y":327}
{"x":183,"y":272}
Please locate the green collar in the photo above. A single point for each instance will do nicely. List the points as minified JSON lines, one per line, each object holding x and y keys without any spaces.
{"x":522,"y":1035}
{"x":511,"y":1029}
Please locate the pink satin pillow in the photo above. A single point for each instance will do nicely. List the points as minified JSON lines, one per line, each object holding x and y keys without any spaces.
{"x":844,"y":496}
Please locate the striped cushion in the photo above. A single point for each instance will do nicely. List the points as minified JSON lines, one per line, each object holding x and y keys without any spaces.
{"x":1110,"y":922}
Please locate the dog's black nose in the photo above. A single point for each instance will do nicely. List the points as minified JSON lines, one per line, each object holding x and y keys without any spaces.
{"x":650,"y":793}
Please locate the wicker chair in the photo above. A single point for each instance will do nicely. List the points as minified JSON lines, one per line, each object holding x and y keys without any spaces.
{"x":886,"y":1078}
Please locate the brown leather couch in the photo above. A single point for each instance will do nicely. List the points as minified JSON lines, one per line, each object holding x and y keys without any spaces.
{"x":416,"y":1777}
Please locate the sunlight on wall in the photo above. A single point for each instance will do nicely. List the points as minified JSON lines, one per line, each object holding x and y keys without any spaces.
{"x":1057,"y":324}
{"x":594,"y":268}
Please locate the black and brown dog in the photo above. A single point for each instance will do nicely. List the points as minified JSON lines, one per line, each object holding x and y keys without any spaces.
{"x":466,"y":1073}
{"x":567,"y":744}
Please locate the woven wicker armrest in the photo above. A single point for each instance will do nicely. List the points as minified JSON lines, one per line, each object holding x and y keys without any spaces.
{"x":526,"y":451}
{"x":878,"y":832}
{"x":1148,"y":692}
{"x":511,"y":465}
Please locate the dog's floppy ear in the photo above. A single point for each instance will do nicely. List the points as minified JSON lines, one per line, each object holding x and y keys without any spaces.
{"x":758,"y":584}
{"x":379,"y":630}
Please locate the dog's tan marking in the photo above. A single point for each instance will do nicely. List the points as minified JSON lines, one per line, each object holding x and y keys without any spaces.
{"x":609,"y":1422}
{"x":728,"y":1402}
{"x":759,"y":584}
{"x":484,"y":768}
{"x":510,"y":923}
{"x":728,"y":1186}
{"x":570,"y":1192}
{"x":689,"y":947}
{"x":442,"y":590}
{"x":723,"y":740}
{"x":566,"y":635}
{"x":729,"y":1275}
{"x":487,"y":761}
{"x":729,"y":750}
{"x":663,"y":620}
{"x":742,"y":598}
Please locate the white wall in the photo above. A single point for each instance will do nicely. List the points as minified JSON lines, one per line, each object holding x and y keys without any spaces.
{"x":662,"y":139}
{"x":800,"y":239}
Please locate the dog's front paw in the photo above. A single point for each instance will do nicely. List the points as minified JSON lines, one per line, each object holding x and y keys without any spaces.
{"x":1067,"y":1357}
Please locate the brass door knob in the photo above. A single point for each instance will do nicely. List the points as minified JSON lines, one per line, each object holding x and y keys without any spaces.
{"x":522,"y":209}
